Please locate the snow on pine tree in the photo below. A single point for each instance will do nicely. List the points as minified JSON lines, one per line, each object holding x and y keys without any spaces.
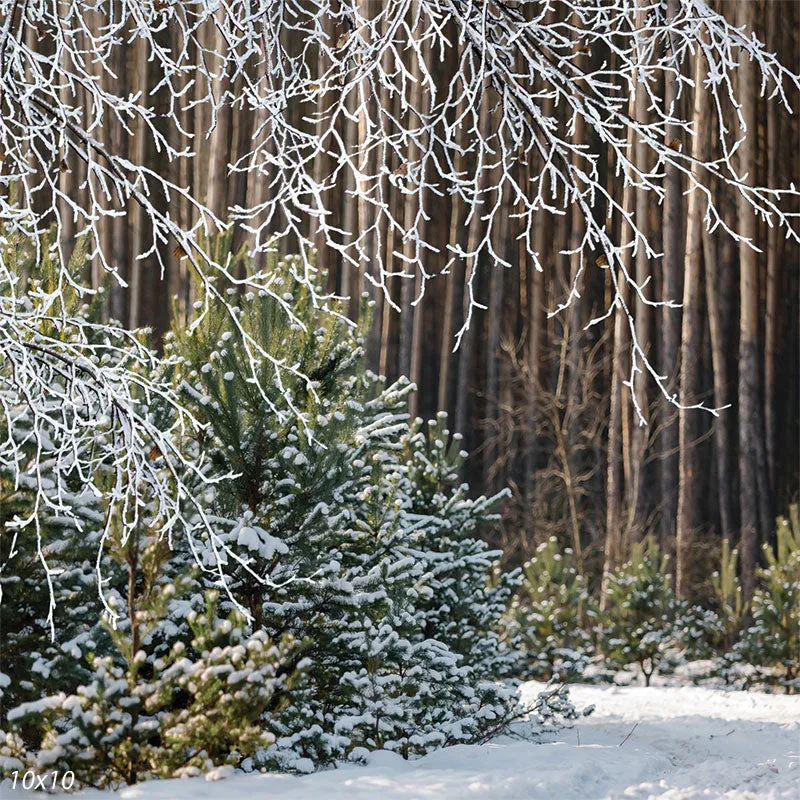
{"x":51,"y":510}
{"x":553,"y":615}
{"x":465,"y":592}
{"x":773,"y":639}
{"x":170,"y":689}
{"x":640,"y":618}
{"x":198,"y":707}
{"x":323,"y":507}
{"x":322,"y":527}
{"x":90,"y":607}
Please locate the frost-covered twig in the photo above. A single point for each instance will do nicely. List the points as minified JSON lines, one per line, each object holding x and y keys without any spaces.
{"x":311,"y":70}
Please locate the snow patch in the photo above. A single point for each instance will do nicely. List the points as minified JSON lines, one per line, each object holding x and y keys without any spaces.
{"x":661,"y":743}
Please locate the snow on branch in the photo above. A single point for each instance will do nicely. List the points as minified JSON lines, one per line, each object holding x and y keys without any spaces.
{"x":403,"y":75}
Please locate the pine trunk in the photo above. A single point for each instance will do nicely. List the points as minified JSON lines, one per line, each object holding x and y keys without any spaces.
{"x":690,"y":343}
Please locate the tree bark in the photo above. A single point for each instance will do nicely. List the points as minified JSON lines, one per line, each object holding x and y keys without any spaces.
{"x":643,"y":316}
{"x":690,"y":343}
{"x":614,"y":550}
{"x":492,"y":375}
{"x":476,"y":226}
{"x":219,"y":157}
{"x":323,"y":166}
{"x":774,"y":265}
{"x":750,"y":412}
{"x":670,"y":317}
{"x":367,"y":220}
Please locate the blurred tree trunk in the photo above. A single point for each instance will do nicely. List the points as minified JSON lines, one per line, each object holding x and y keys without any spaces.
{"x":367,"y":220}
{"x":573,"y":341}
{"x":453,"y":297}
{"x":324,"y":162}
{"x":639,"y":435}
{"x":614,"y":549}
{"x":718,"y":326}
{"x":774,"y":268}
{"x":542,"y":245}
{"x":138,"y":234}
{"x":750,"y":412}
{"x":220,"y":149}
{"x":350,"y":275}
{"x":155,"y":300}
{"x":474,"y":236}
{"x":412,"y":315}
{"x":670,"y":317}
{"x":690,"y":341}
{"x":494,"y":324}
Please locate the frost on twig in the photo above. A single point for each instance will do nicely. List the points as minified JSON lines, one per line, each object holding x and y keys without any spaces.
{"x":310,"y":71}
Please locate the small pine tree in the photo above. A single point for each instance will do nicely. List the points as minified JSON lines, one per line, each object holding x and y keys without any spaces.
{"x":195,"y":709}
{"x":730,"y":612}
{"x":463,"y":594}
{"x":330,"y":526}
{"x":640,"y":616}
{"x":50,"y":516}
{"x":553,"y":615}
{"x":731,"y":605}
{"x":773,"y":640}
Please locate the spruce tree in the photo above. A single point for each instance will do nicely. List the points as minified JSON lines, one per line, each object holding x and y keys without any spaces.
{"x":464,"y":593}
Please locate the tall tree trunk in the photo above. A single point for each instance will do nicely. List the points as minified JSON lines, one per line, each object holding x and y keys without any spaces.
{"x":455,"y":281}
{"x":717,"y":331}
{"x":410,"y":243}
{"x":750,"y":412}
{"x":474,"y":236}
{"x":492,"y":375}
{"x":219,"y":157}
{"x":411,"y":339}
{"x":350,"y":205}
{"x":155,"y":305}
{"x":324,"y":164}
{"x":120,"y":226}
{"x":774,"y":265}
{"x":542,"y":246}
{"x":138,"y":234}
{"x":258,"y":183}
{"x":670,"y":317}
{"x":690,"y":342}
{"x":614,"y":549}
{"x":573,"y":341}
{"x":643,"y":315}
{"x":390,"y":245}
{"x":68,"y":183}
{"x":367,"y":221}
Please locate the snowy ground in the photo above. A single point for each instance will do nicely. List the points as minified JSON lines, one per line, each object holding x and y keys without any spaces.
{"x":662,"y":743}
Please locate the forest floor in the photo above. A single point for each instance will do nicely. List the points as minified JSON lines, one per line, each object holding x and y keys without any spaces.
{"x":659,"y":743}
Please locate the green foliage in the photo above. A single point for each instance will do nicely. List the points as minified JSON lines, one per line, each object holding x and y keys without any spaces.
{"x":350,"y":531}
{"x":731,"y":605}
{"x":464,"y":594}
{"x":553,"y":614}
{"x":50,"y":609}
{"x":773,"y":640}
{"x":330,"y":588}
{"x":194,"y":709}
{"x":640,"y":623}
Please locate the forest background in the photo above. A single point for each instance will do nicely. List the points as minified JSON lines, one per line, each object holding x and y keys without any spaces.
{"x":539,"y":398}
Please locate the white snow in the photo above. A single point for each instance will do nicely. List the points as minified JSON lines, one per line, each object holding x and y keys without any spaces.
{"x":661,"y":743}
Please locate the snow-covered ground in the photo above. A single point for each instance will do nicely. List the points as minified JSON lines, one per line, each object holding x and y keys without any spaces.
{"x":664,"y":743}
